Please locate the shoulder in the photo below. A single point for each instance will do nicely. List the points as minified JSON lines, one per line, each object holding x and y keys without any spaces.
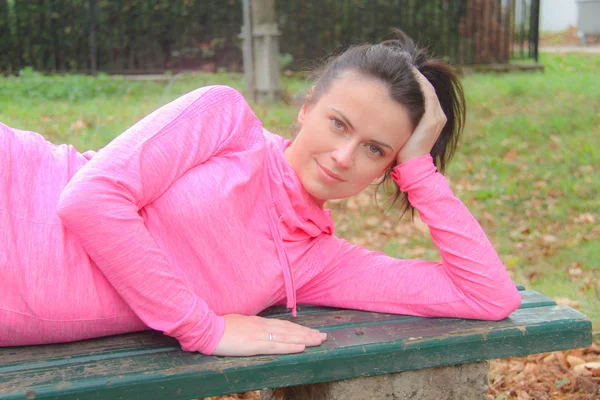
{"x":218,"y":101}
{"x":219,"y":96}
{"x":274,"y":140}
{"x":219,"y":110}
{"x":223,"y":93}
{"x":231,"y":105}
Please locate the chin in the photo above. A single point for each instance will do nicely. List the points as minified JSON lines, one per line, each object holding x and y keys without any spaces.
{"x":321,"y":195}
{"x":322,"y":192}
{"x":318,"y":195}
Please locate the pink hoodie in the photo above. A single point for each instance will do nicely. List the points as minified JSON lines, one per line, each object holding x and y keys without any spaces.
{"x":194,"y":213}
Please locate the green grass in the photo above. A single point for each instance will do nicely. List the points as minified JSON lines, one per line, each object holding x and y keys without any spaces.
{"x":531,"y":150}
{"x":527,"y":166}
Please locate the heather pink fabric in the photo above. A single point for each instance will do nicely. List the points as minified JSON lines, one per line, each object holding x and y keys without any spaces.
{"x":194,"y":213}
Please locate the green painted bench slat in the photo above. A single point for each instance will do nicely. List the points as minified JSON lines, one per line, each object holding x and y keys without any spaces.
{"x":147,"y":342}
{"x":150,"y":366}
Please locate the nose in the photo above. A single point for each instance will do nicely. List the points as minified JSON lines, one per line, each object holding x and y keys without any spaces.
{"x":343,"y":155}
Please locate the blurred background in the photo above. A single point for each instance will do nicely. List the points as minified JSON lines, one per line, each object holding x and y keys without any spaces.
{"x":141,"y":36}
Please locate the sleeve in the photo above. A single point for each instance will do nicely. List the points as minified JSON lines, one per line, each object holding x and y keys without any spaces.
{"x":101,"y":203}
{"x":470,"y":281}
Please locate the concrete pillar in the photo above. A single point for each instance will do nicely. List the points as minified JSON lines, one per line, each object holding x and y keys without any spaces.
{"x":261,"y":50}
{"x":455,"y":382}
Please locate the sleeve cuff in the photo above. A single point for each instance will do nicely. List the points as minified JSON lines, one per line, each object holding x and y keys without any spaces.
{"x":211,"y":336}
{"x":218,"y":331}
{"x":410,"y":173}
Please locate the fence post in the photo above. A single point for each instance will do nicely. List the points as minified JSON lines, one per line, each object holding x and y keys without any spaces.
{"x":261,"y":50}
{"x":247,"y":53}
{"x":92,"y":37}
{"x":534,"y":28}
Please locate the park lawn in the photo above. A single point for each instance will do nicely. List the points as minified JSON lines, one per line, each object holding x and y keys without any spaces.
{"x":527,"y":167}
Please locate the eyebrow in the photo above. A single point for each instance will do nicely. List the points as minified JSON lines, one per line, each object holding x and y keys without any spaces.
{"x":347,"y":121}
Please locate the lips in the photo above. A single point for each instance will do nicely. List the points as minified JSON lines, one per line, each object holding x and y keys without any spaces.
{"x":330,"y":173}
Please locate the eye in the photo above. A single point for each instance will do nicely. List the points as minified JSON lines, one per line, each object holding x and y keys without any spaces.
{"x":338,"y":125}
{"x":373,"y":149}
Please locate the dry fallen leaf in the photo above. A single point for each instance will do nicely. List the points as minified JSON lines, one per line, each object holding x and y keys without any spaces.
{"x":593,"y":367}
{"x":373,"y":221}
{"x":586,"y":218}
{"x":79,"y":125}
{"x":565,"y":301}
{"x":530,"y":368}
{"x":510,"y":155}
{"x":417,"y":251}
{"x":549,"y":238}
{"x":364,"y":198}
{"x":581,"y":370}
{"x":552,"y":379}
{"x":573,"y":361}
{"x":522,"y":395}
{"x":575,"y":272}
{"x":352,"y":204}
{"x":421,"y":226}
{"x":550,"y":358}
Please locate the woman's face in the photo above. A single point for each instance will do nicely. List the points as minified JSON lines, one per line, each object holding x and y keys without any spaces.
{"x":349,"y":137}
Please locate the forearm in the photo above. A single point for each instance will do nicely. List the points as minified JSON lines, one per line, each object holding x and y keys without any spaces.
{"x":101,"y":205}
{"x":468,"y":257}
{"x":114,"y":235}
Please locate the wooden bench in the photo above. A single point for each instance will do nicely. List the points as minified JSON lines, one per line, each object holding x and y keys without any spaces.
{"x":445,"y":357}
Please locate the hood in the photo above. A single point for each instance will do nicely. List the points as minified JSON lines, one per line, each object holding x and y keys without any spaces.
{"x":293,"y":214}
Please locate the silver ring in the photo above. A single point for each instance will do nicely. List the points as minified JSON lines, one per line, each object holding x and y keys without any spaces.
{"x":270,"y":337}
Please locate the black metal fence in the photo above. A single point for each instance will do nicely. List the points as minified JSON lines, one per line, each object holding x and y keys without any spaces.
{"x":145,"y":36}
{"x":526,"y":29}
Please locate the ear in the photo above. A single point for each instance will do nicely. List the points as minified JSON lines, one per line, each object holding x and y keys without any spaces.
{"x":304,"y":109}
{"x":302,"y":113}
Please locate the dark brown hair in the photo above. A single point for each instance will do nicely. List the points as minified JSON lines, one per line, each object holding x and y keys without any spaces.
{"x":391,"y":62}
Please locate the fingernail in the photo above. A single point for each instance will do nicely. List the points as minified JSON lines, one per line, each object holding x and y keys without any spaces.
{"x":324,"y":336}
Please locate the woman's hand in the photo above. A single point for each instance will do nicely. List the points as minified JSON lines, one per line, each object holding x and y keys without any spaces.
{"x":429,"y":128}
{"x":249,"y":335}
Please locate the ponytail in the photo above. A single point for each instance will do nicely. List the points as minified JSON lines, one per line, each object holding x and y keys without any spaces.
{"x":450,"y":94}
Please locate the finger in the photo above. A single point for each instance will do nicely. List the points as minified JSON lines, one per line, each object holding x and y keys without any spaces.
{"x":280,"y":348}
{"x":289,"y":325}
{"x":431,"y":99}
{"x":302,"y":334}
{"x":432,"y":102}
{"x":308,"y":340}
{"x":423,"y":81}
{"x":308,"y":335}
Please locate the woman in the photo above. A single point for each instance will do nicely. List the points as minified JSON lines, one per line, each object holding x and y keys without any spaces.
{"x":197,"y":218}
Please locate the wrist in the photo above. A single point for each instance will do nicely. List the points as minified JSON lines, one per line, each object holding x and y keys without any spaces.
{"x":403,"y":158}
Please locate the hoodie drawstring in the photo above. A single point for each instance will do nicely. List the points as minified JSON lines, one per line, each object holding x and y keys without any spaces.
{"x":290,"y":290}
